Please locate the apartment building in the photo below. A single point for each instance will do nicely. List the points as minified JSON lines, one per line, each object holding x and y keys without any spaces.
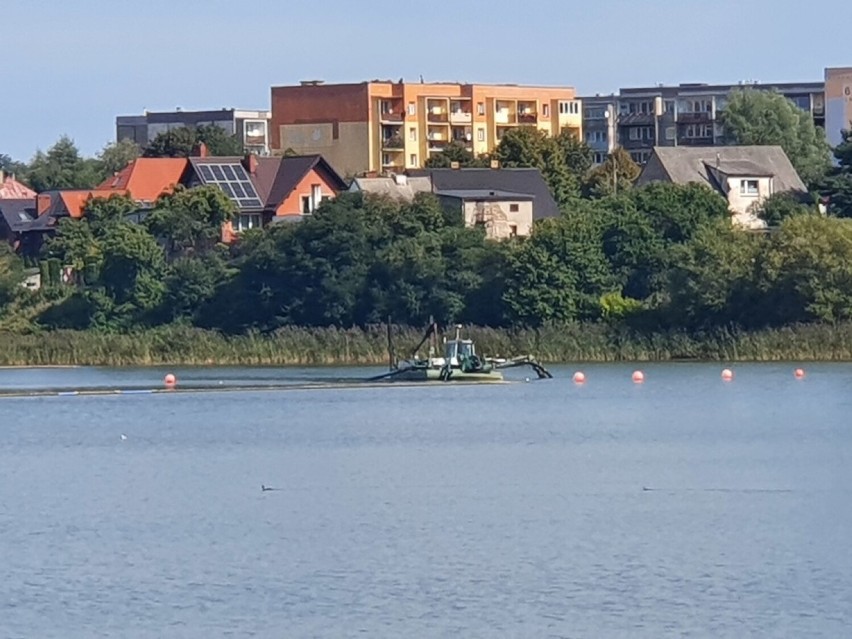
{"x":684,"y":115}
{"x":388,"y":127}
{"x":838,"y":103}
{"x":251,"y":126}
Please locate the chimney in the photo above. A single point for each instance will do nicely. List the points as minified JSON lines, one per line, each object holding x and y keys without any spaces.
{"x":42,"y":203}
{"x":199,"y":150}
{"x":250,"y":163}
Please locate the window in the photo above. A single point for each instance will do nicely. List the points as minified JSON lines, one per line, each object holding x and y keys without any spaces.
{"x":513,"y":228}
{"x":599,"y":157}
{"x":802,"y":101}
{"x":670,"y":106}
{"x":513,"y":208}
{"x":595,"y":136}
{"x":569,"y":108}
{"x":306,"y":204}
{"x":699,"y":131}
{"x":748,"y":187}
{"x":480,"y":135}
{"x":412,"y":134}
{"x":640,"y":133}
{"x":671,"y":133}
{"x":545,"y":110}
{"x":640,"y":157}
{"x":412,"y":108}
{"x":246,"y":222}
{"x":413,"y":159}
{"x":316,"y":196}
{"x":386,"y":106}
{"x":480,"y":108}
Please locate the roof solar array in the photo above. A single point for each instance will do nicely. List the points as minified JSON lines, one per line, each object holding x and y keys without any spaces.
{"x":234,"y":181}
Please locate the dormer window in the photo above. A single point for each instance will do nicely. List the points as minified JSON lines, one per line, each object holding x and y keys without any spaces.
{"x":749,"y":187}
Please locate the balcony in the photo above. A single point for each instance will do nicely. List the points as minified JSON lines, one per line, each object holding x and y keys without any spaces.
{"x":394,"y":142}
{"x":461,"y":117}
{"x":635,"y":119}
{"x":391,"y":117}
{"x":528,"y":117}
{"x":436,"y":146}
{"x":694,"y":117}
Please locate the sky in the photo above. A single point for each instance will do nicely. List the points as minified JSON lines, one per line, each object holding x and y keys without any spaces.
{"x":68,"y":68}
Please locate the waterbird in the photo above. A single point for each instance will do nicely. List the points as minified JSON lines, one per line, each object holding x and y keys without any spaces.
{"x":123,"y":437}
{"x":266,"y":488}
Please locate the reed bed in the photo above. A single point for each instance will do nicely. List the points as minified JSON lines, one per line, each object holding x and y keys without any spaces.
{"x":576,"y":342}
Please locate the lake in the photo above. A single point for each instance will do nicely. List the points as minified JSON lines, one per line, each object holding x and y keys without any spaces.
{"x":682,"y":507}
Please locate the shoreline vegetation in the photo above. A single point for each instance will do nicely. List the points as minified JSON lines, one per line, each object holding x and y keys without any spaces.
{"x":294,"y":346}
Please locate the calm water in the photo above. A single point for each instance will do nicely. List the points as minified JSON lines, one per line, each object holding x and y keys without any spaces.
{"x":476,"y":511}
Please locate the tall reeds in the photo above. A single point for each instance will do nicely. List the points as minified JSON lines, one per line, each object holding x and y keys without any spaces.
{"x":590,"y":342}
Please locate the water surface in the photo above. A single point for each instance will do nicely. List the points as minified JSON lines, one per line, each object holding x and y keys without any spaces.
{"x":684,"y":506}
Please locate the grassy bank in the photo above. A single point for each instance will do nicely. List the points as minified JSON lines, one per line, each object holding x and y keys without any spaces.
{"x":322,"y":346}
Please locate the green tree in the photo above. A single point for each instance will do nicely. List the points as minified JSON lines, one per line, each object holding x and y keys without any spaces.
{"x":768,"y":118}
{"x":11,"y":275}
{"x":615,"y":175}
{"x":836,"y":188}
{"x":117,"y":155}
{"x":714,"y":277}
{"x":578,"y":154}
{"x":531,"y":147}
{"x":560,"y":273}
{"x":455,"y":152}
{"x":191,"y":283}
{"x":190,"y":220}
{"x":62,"y":167}
{"x":808,"y":270}
{"x":133,"y":268}
{"x":12,"y":167}
{"x":779,"y":206}
{"x":181,"y":141}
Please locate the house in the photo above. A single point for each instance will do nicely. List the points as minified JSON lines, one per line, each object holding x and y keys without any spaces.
{"x":744,"y":175}
{"x":266,"y":190}
{"x":11,"y":189}
{"x":385,"y":126}
{"x":15,"y":216}
{"x":505,"y":202}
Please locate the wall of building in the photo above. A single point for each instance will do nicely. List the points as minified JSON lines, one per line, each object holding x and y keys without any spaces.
{"x":743,"y":207}
{"x":293,"y":204}
{"x":499,"y":220}
{"x":838,"y":103}
{"x":344,"y":145}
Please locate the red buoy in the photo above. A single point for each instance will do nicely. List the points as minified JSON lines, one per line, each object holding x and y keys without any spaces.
{"x":799,"y":373}
{"x":170,"y":380}
{"x":727,"y":374}
{"x":638,"y":377}
{"x":579,"y":377}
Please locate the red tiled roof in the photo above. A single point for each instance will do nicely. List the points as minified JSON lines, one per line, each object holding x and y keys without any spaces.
{"x":145,"y":179}
{"x":11,"y":189}
{"x":75,"y":201}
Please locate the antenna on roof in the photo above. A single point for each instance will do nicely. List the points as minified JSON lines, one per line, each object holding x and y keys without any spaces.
{"x":421,"y":78}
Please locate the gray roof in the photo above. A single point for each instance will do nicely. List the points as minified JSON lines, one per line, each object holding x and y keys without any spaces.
{"x":526,"y":181}
{"x":17,"y":213}
{"x":683,"y":165}
{"x":402,"y":189}
{"x":485,"y":194}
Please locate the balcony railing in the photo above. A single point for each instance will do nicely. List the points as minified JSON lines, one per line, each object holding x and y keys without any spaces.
{"x":388,"y":116}
{"x":439,"y":116}
{"x":461,"y":117}
{"x":527,"y":118}
{"x":504,"y":117}
{"x":393,"y":142}
{"x":694,"y":117}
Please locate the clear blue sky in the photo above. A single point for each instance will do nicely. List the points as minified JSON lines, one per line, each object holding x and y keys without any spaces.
{"x":71,"y":67}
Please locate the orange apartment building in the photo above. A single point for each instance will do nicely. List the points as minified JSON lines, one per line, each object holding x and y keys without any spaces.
{"x":388,"y":127}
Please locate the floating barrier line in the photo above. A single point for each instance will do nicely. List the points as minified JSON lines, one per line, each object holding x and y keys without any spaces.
{"x":95,"y":392}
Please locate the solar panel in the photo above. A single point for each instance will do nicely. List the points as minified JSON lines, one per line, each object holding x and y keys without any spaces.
{"x":234,"y":182}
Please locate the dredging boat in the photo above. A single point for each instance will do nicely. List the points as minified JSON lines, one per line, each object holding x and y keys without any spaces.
{"x":459,"y":362}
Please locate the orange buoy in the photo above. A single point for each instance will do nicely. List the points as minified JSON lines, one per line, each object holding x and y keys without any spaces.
{"x":727,"y":374}
{"x":170,"y":380}
{"x":579,"y":377}
{"x":799,"y":373}
{"x":638,"y":377}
